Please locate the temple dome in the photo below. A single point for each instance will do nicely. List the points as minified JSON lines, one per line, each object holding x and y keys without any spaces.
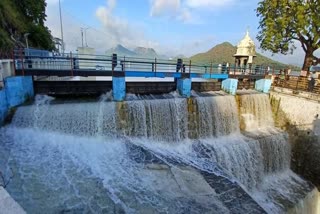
{"x":246,"y":47}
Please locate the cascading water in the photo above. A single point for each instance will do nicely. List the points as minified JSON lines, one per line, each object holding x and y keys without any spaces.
{"x":169,"y":155}
{"x":256,"y":112}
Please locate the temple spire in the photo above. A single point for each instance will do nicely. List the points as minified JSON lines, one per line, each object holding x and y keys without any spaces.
{"x":247,"y":33}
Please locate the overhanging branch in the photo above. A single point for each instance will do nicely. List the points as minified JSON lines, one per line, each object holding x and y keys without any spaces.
{"x":316,"y":59}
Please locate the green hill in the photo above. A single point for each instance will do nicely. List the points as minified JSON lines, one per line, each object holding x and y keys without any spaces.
{"x":224,"y":53}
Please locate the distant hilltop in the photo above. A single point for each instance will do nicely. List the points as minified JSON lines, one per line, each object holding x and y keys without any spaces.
{"x":139,"y":52}
{"x":224,"y":53}
{"x":218,"y":54}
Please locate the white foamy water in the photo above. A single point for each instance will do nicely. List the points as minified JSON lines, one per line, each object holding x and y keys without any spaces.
{"x":256,"y":112}
{"x":136,"y":157}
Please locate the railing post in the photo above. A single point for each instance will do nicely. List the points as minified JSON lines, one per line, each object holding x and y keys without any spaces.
{"x":179,"y":65}
{"x":155,"y":65}
{"x":189,"y":66}
{"x":14,"y":62}
{"x":118,"y":81}
{"x":124,"y":64}
{"x":22,"y":63}
{"x":71,"y":64}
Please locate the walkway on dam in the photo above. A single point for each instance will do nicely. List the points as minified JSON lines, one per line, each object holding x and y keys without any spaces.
{"x":98,"y":65}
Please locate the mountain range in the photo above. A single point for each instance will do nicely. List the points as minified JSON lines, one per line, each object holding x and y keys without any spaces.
{"x":218,"y":54}
{"x":139,"y":52}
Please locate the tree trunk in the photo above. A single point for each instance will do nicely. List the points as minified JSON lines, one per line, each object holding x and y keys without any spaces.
{"x":308,"y":60}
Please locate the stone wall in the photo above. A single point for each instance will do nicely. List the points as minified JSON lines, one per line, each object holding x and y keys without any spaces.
{"x":299,"y":116}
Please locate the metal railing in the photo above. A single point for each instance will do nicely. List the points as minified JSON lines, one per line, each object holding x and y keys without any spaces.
{"x":297,"y":83}
{"x":72,"y":61}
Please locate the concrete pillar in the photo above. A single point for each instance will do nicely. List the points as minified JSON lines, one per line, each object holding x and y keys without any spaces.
{"x":263,"y":85}
{"x":118,"y":88}
{"x":230,"y":86}
{"x":184,"y":87}
{"x":3,"y":106}
{"x":18,"y":89}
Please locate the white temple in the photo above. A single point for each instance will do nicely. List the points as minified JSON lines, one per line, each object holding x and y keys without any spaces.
{"x":246,"y":51}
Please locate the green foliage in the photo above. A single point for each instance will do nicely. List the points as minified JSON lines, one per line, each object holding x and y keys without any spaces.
{"x":18,"y":17}
{"x":284,"y":21}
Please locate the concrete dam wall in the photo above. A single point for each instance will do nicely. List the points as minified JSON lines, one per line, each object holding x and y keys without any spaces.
{"x":212,"y":153}
{"x":299,"y":116}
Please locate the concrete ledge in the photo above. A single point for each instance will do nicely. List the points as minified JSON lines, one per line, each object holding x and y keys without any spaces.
{"x":8,"y":205}
{"x":230,"y":86}
{"x":263,"y":85}
{"x":301,"y":94}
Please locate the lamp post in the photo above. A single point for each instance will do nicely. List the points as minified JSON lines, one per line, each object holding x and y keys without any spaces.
{"x":82,"y":37}
{"x":26,"y":38}
{"x":62,"y":42}
{"x":84,"y":30}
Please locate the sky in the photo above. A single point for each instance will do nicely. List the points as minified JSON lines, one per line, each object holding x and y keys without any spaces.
{"x":171,"y":27}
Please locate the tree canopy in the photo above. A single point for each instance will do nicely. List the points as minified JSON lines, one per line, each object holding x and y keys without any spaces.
{"x":282,"y":22}
{"x":18,"y":17}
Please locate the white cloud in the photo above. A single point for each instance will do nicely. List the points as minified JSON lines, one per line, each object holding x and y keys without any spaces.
{"x":165,"y":7}
{"x":118,"y":31}
{"x":187,"y":11}
{"x":114,"y":30}
{"x":208,"y":4}
{"x":113,"y":24}
{"x":185,"y":16}
{"x":52,"y":2}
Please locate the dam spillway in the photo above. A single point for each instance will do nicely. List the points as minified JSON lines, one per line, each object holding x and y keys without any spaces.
{"x":163,"y":154}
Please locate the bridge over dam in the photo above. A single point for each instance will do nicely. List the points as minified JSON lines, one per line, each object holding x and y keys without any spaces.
{"x":206,"y":148}
{"x":97,"y":74}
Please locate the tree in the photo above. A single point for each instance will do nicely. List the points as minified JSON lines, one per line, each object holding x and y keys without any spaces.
{"x":18,"y":17}
{"x":282,"y":22}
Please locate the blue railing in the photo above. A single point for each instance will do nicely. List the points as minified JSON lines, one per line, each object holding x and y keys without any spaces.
{"x":131,"y":66}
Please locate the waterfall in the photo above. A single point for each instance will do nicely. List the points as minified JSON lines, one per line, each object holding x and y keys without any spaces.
{"x":255,"y":111}
{"x":149,"y":155}
{"x":217,"y":116}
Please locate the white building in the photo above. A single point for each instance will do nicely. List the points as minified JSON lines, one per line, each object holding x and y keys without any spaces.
{"x":246,"y":51}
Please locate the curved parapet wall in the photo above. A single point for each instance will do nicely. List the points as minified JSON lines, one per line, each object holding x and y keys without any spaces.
{"x":18,"y":90}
